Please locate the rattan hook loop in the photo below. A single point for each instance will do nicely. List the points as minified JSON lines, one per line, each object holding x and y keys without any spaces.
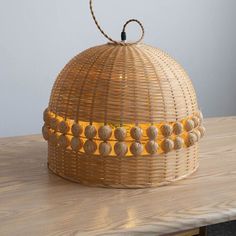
{"x":123,"y":34}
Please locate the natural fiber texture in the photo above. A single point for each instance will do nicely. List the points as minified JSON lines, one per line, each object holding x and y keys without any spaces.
{"x":133,"y":172}
{"x":123,"y":84}
{"x":123,"y":115}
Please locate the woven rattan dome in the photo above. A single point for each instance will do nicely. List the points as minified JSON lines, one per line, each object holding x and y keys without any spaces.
{"x":142,"y":83}
{"x":123,"y":115}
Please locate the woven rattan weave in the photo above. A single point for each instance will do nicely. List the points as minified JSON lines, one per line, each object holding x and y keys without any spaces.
{"x":123,"y":115}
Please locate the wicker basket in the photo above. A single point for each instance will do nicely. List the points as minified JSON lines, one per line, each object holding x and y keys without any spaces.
{"x":123,"y":115}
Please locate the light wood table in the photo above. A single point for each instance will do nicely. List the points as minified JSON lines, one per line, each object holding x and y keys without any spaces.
{"x":34,"y":202}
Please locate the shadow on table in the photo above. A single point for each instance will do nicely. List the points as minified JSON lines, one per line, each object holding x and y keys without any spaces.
{"x":223,"y":229}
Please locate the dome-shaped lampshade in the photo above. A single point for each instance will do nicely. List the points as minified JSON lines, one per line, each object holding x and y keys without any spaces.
{"x":123,"y":115}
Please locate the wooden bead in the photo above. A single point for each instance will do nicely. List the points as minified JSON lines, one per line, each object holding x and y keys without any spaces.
{"x":105,"y":148}
{"x":166,"y":130}
{"x":76,"y":129}
{"x":120,"y":133}
{"x":167,"y":145}
{"x":196,"y":137}
{"x":63,"y":141}
{"x":46,"y":116}
{"x":151,"y":147}
{"x":90,"y":132}
{"x":190,"y":139}
{"x":195,"y":121}
{"x":90,"y":147}
{"x":76,"y":143}
{"x":136,"y":148}
{"x":152,"y":132}
{"x":121,"y":149}
{"x":104,"y":132}
{"x":46,"y":132}
{"x":178,"y":143}
{"x":63,"y":127}
{"x":200,"y":117}
{"x":178,"y":128}
{"x":53,"y":138}
{"x":189,"y":125}
{"x":136,"y":133}
{"x":197,"y":133}
{"x":53,"y":123}
{"x":202,"y":130}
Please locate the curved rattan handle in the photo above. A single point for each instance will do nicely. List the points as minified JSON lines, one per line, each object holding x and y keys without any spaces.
{"x":123,"y":33}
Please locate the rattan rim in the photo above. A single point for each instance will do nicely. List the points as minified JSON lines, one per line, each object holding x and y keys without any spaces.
{"x":123,"y":186}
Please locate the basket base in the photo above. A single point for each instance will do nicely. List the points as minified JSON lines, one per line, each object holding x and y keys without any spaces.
{"x":119,"y":186}
{"x":132,"y":172}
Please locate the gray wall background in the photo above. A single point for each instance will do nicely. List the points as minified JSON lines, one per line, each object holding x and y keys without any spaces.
{"x":38,"y":37}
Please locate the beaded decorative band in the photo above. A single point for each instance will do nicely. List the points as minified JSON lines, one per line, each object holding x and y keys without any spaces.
{"x":122,"y":140}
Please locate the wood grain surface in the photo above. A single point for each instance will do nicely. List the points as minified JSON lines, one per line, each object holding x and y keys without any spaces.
{"x":33,"y":201}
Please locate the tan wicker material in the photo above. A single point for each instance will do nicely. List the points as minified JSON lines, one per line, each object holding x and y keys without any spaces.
{"x":123,"y":115}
